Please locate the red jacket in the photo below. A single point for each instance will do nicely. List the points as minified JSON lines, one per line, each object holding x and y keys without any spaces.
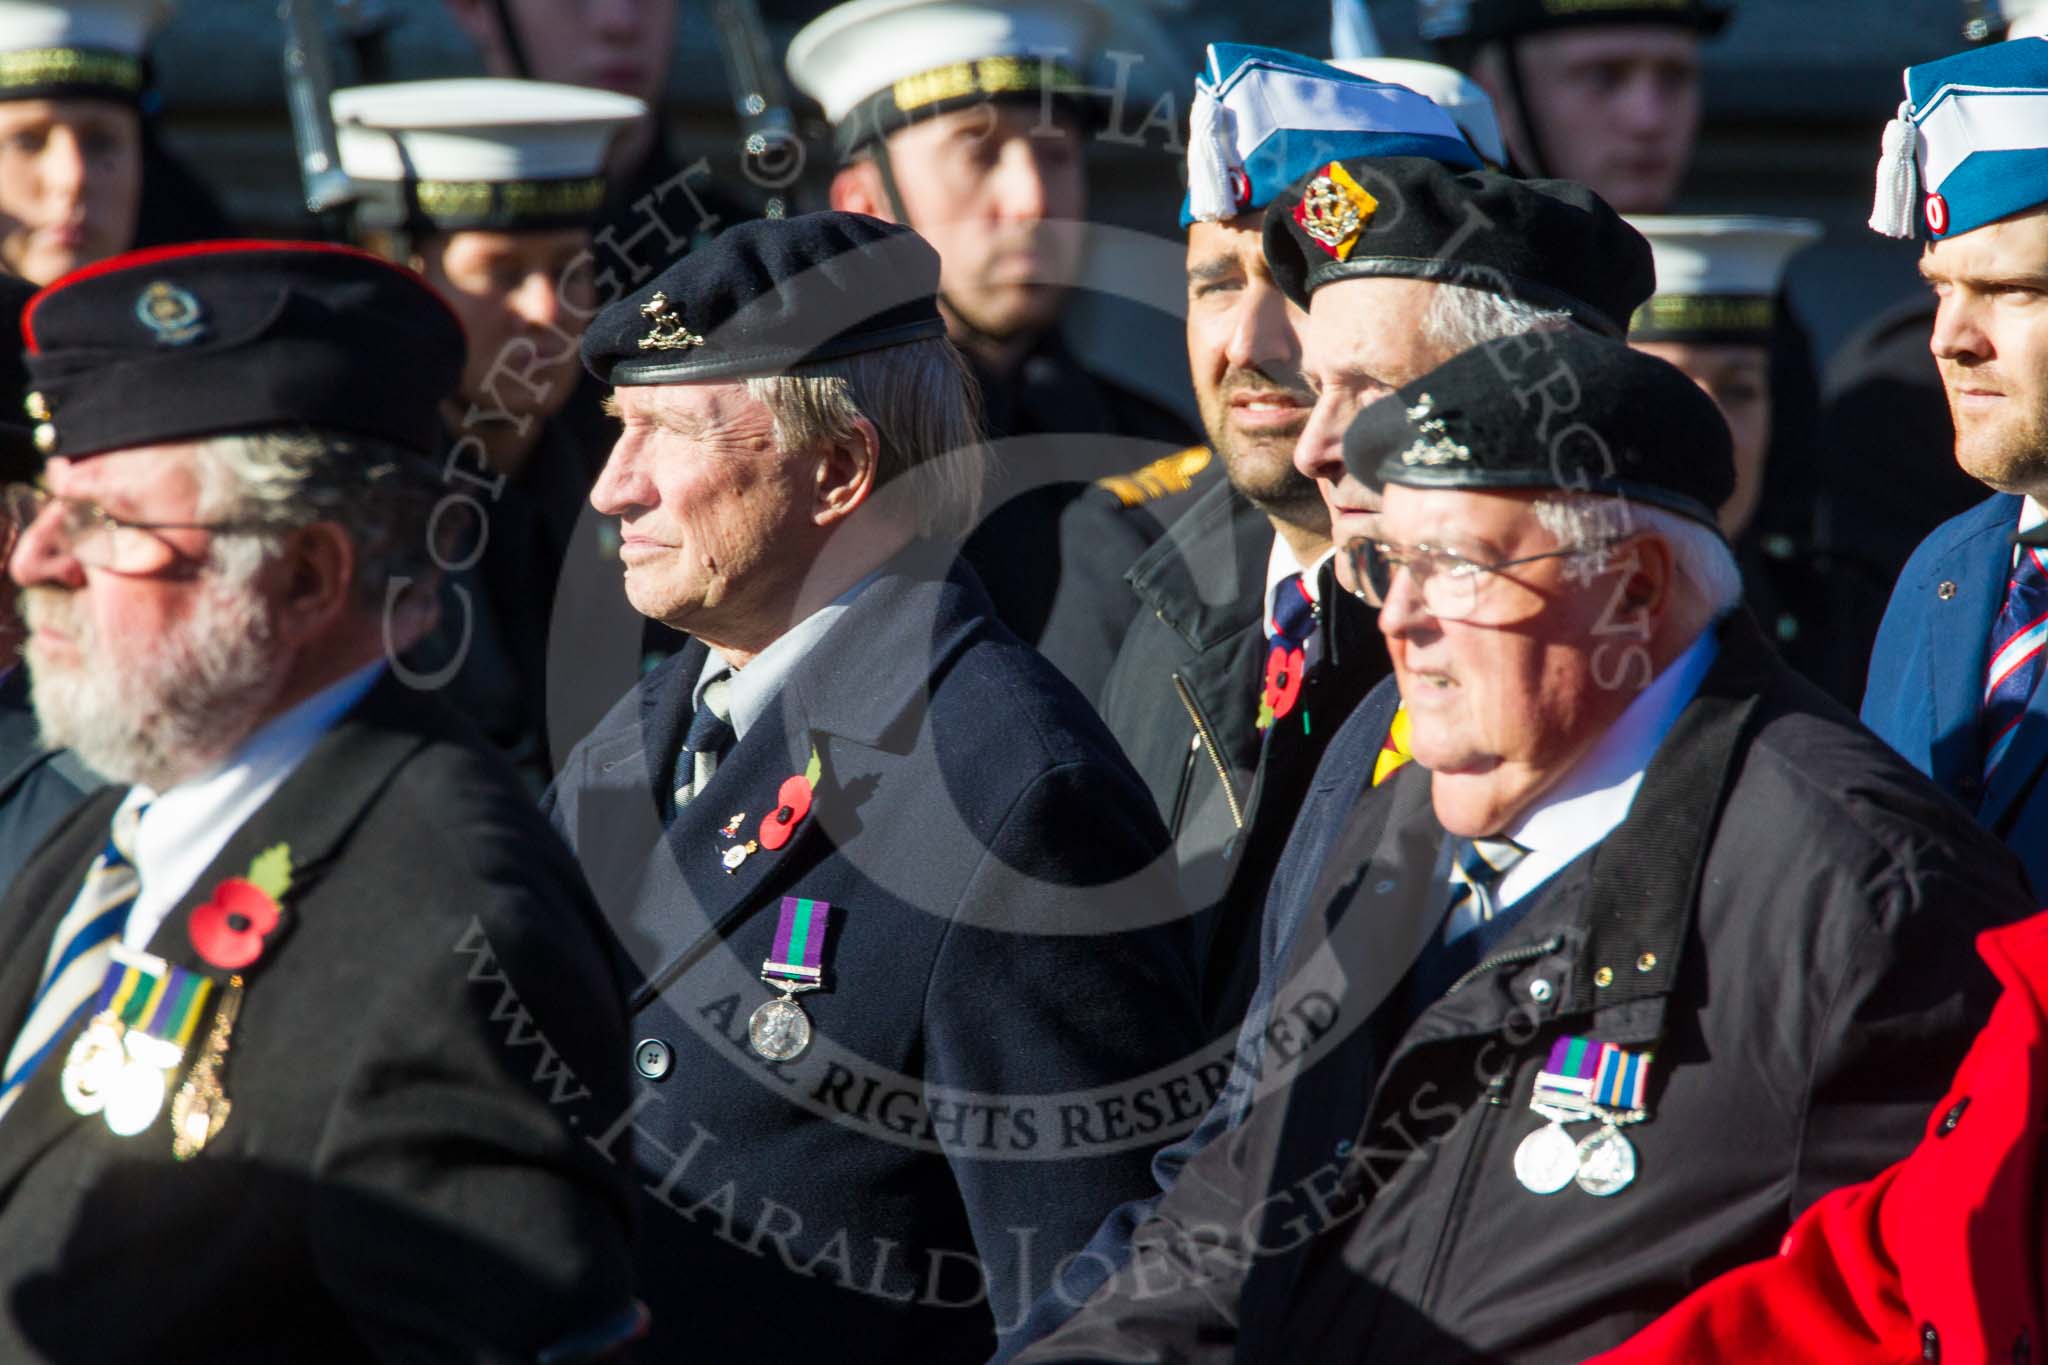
{"x":1940,"y":1257}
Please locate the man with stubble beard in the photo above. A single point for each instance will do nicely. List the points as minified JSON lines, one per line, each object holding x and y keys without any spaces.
{"x":1954,"y":674}
{"x":1242,"y":660}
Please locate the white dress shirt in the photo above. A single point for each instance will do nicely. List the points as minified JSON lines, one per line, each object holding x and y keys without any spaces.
{"x":185,"y":828}
{"x":1280,"y":562}
{"x":752,"y":688}
{"x":1595,"y":796}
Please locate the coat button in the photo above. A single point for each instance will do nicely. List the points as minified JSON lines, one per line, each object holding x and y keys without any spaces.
{"x":1945,"y":590}
{"x":654,"y":1059}
{"x":1930,"y":1342}
{"x":1953,"y":1117}
{"x":1540,"y":990}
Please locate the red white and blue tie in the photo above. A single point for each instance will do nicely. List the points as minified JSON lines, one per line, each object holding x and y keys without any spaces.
{"x":2016,"y":643}
{"x":1294,"y":623}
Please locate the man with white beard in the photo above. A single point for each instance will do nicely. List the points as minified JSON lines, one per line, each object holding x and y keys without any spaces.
{"x":315,"y":991}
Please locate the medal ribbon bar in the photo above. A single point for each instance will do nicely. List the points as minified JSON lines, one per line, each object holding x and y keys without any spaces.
{"x":798,"y":954}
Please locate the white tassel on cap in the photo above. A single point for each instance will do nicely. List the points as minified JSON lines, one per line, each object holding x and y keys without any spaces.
{"x":1214,"y":167}
{"x":1891,"y":213}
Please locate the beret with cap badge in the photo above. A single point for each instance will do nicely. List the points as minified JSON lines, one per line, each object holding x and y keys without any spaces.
{"x":1560,"y":409}
{"x":1548,"y":243}
{"x":770,"y":294}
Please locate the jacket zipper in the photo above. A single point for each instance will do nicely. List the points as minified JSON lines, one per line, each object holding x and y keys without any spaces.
{"x":1187,"y":783}
{"x":1187,"y":699}
{"x":1496,"y":1087}
{"x":1513,"y":957}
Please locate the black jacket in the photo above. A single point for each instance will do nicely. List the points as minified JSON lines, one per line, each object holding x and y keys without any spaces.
{"x":1051,"y":548}
{"x":1182,"y":699}
{"x":1008,"y":958}
{"x":1785,"y":919}
{"x":38,"y":786}
{"x":419,"y":1053}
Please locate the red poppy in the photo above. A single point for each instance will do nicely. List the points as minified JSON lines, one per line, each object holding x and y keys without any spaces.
{"x":792,"y":804}
{"x":228,"y":931}
{"x":1284,"y":668}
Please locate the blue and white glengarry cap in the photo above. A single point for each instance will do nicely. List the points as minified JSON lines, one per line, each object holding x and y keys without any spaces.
{"x":1264,"y":118}
{"x":1970,"y":143}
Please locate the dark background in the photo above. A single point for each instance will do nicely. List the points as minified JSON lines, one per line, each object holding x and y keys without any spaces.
{"x":1797,"y":93}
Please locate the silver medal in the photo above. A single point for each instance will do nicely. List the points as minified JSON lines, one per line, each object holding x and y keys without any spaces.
{"x":779,"y":1030}
{"x":1547,"y":1160}
{"x":92,"y":1064}
{"x":1607,"y":1162}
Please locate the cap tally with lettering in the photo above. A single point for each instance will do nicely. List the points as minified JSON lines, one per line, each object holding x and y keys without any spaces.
{"x":77,"y":48}
{"x":450,"y":155}
{"x":1717,"y":278}
{"x":879,"y":65}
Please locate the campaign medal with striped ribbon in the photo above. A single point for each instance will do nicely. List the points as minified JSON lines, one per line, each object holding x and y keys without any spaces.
{"x":780,"y":1030}
{"x":142,"y":1024}
{"x":1548,"y":1158}
{"x":1607,"y":1159}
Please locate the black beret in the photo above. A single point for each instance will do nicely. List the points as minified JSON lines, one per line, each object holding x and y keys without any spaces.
{"x":1558,"y":409}
{"x":770,"y":294}
{"x":217,"y":338}
{"x":1548,"y":243}
{"x":1477,"y":21}
{"x":19,"y":462}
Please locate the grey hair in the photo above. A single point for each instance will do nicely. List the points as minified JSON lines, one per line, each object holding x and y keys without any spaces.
{"x":1702,"y":557}
{"x":925,"y":407}
{"x":1461,"y":317}
{"x":383,"y":495}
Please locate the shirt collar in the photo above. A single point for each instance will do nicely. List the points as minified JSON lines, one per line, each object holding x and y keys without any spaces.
{"x":184,"y":829}
{"x":1280,"y":562}
{"x":1595,"y":796}
{"x":755,"y":686}
{"x":2032,"y":514}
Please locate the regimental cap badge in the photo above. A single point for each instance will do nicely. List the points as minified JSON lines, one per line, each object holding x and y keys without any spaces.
{"x":1335,"y":209}
{"x":668,"y":332}
{"x":171,"y":313}
{"x":1433,"y":444}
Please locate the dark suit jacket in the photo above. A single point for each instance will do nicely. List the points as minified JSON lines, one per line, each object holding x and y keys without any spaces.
{"x":401,"y":1175}
{"x":1927,"y":679}
{"x":38,"y":786}
{"x":1229,"y":792}
{"x":1007,"y":972}
{"x":1785,"y":917}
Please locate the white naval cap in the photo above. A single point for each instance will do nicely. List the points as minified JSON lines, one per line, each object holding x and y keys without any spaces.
{"x":475,"y":153}
{"x":75,"y":47}
{"x":1451,"y":90}
{"x":1717,"y":277}
{"x":875,"y":65}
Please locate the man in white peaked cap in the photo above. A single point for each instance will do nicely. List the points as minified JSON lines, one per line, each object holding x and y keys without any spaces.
{"x":488,"y":188}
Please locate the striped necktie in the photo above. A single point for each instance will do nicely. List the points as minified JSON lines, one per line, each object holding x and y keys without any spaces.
{"x":80,"y":951}
{"x":1294,"y":623}
{"x":1477,"y":866}
{"x":2015,"y":656}
{"x":709,"y":736}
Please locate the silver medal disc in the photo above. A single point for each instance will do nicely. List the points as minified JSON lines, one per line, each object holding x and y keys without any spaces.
{"x":1547,"y":1160}
{"x":1607,"y":1163}
{"x":91,"y":1066}
{"x":135,"y":1098}
{"x":779,"y":1030}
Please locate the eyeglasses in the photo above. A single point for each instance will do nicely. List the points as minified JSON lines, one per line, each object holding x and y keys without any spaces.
{"x":100,"y":540}
{"x":1453,"y":588}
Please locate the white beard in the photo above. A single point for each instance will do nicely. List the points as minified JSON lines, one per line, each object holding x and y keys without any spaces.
{"x":159,"y":711}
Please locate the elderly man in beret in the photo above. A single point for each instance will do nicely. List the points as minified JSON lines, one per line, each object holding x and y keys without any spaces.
{"x":302,"y":1018}
{"x":1457,"y":257}
{"x":1649,"y":948}
{"x":903,"y":948}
